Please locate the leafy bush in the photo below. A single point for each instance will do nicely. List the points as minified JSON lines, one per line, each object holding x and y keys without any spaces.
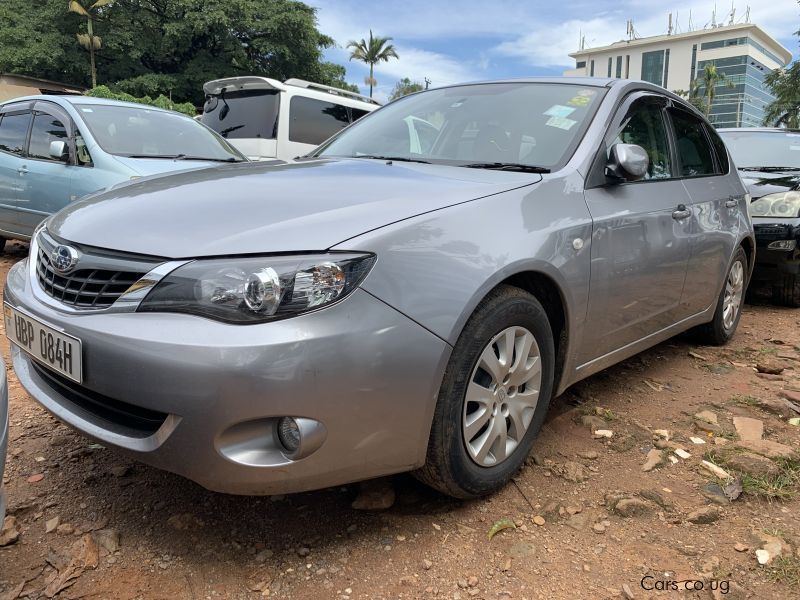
{"x":161,"y":101}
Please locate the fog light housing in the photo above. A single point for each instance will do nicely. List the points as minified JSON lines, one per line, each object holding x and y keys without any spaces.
{"x":289,"y":434}
{"x":787,"y":245}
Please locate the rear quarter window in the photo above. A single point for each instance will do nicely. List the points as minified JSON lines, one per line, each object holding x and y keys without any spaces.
{"x":314,"y":121}
{"x":720,"y":149}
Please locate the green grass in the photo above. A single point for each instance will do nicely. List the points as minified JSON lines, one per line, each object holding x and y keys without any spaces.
{"x":745,"y":400}
{"x":786,"y":570}
{"x":783,"y":486}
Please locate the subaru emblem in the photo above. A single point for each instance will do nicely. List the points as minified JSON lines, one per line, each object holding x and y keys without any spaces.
{"x":64,"y":258}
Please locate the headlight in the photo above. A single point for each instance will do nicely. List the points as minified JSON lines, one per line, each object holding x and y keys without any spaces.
{"x":255,"y":290}
{"x":785,"y":205}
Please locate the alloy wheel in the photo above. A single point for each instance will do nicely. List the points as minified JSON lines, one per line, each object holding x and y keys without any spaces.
{"x":734,"y":291}
{"x":501,"y":396}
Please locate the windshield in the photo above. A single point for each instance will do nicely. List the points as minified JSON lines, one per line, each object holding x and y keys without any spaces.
{"x":243,"y":114}
{"x":146,"y":133}
{"x":519,"y":124}
{"x":763,"y":148}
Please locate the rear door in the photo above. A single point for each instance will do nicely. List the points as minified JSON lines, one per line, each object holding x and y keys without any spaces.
{"x":715,"y":207}
{"x":14,"y":125}
{"x":641,"y":235}
{"x":47,"y":185}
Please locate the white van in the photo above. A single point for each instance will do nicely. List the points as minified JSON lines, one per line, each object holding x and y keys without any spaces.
{"x":266,"y":119}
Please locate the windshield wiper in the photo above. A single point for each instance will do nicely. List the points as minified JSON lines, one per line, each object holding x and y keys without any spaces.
{"x":182,"y":157}
{"x":769,"y":169}
{"x":393,"y":158}
{"x":506,"y":166}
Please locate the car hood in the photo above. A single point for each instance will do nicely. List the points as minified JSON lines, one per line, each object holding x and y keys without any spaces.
{"x":761,"y":184}
{"x":250,"y":208}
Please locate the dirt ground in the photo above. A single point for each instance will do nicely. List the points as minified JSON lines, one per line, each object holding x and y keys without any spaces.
{"x":589,"y":522}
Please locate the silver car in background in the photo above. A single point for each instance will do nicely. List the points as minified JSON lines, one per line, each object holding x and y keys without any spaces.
{"x":394,"y":302}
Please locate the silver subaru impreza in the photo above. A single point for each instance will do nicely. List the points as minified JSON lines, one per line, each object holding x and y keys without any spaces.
{"x":407,"y":298}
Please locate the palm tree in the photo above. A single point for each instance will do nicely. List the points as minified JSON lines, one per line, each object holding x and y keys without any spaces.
{"x":693,"y":96}
{"x":89,"y":40}
{"x":711,"y":78}
{"x":371,"y":52}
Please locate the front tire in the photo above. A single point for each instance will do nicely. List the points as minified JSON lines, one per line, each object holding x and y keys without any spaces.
{"x":494,"y":396}
{"x":729,"y":305}
{"x":786,"y":291}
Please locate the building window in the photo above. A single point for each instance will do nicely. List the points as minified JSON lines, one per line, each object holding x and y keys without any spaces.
{"x":609,"y":66}
{"x":627,"y":66}
{"x":653,"y":67}
{"x":619,"y":67}
{"x":591,"y":68}
{"x":580,"y":64}
{"x":666,"y":68}
{"x":741,"y":41}
{"x":694,"y":63}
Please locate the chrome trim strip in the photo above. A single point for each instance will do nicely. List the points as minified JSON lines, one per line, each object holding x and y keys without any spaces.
{"x":129,"y":300}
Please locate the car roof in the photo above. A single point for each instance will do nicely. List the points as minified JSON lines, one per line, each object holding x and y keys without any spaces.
{"x":75,"y":99}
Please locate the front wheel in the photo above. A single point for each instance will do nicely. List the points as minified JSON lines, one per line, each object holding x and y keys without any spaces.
{"x":493,"y":398}
{"x":786,"y":291}
{"x":729,"y":305}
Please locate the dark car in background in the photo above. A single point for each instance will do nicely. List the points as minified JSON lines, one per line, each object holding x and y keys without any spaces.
{"x":768,"y":160}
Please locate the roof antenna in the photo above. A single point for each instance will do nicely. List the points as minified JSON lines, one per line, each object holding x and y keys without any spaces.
{"x":733,"y":13}
{"x":669,"y":26}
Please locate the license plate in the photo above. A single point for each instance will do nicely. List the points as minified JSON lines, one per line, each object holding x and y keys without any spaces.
{"x":60,"y":352}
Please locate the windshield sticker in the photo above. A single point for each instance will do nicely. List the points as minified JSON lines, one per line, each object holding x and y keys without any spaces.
{"x":561,"y":123}
{"x":557,"y":110}
{"x":579,"y":100}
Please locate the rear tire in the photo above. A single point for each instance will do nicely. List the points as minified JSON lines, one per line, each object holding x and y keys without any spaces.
{"x":786,"y":291}
{"x":721,"y":329}
{"x":2,"y":244}
{"x":486,"y":419}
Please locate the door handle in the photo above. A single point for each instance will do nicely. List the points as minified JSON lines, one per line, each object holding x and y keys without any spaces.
{"x":732,"y":202}
{"x":681,"y":212}
{"x":22,"y":170}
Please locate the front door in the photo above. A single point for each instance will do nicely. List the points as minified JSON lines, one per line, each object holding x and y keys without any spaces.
{"x":641,"y":237}
{"x":48,"y":180}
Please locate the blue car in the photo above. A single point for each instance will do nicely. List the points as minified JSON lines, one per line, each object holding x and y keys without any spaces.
{"x":56,"y":149}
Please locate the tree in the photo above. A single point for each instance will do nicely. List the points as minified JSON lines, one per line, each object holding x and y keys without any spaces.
{"x":693,"y":96}
{"x":89,"y":40}
{"x":709,"y":81}
{"x":404,"y":87}
{"x":785,"y":86}
{"x":371,"y":52}
{"x":170,"y":47}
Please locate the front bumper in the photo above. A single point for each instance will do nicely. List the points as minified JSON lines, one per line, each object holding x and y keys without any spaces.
{"x":772,"y":263}
{"x":211,"y":392}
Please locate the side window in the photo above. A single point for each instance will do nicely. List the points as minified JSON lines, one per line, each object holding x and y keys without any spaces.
{"x":313,"y":121}
{"x":644,"y":126}
{"x":14,"y":132}
{"x":46,"y":128}
{"x":694,"y":151}
{"x":722,"y":152}
{"x":356,"y":114}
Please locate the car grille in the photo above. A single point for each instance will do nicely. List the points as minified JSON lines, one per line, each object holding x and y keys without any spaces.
{"x":99,"y":279}
{"x":114,"y":415}
{"x":96,"y":288}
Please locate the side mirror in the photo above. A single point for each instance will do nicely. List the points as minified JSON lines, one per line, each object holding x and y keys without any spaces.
{"x":627,"y":162}
{"x":59,"y":151}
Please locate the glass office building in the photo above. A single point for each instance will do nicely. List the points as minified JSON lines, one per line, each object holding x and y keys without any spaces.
{"x":741,"y":100}
{"x":743,"y":52}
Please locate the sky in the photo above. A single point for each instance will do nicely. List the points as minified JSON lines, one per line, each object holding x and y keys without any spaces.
{"x":451,"y":41}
